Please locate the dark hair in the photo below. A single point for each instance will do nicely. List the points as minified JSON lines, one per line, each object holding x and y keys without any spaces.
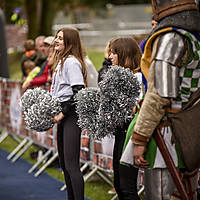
{"x":72,"y":46}
{"x":128,"y":51}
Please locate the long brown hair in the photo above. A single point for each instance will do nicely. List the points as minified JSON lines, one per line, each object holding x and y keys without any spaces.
{"x":128,"y":51}
{"x":72,"y":46}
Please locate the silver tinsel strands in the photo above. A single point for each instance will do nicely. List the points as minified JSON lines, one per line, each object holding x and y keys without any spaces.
{"x":102,"y":112}
{"x":119,"y":91}
{"x":87,"y":108}
{"x":39,"y":108}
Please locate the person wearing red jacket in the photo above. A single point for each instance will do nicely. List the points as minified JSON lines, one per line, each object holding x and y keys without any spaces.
{"x":45,"y":75}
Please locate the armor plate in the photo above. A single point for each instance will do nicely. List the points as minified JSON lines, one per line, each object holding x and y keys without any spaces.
{"x":158,"y":184}
{"x":168,"y":55}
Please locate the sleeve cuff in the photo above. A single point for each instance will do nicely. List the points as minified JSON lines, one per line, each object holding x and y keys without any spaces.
{"x":139,"y":139}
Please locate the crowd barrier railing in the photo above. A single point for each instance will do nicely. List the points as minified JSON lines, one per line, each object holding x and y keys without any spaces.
{"x":94,"y":155}
{"x":12,"y":123}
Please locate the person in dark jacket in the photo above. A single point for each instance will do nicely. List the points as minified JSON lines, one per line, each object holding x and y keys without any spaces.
{"x":106,"y":64}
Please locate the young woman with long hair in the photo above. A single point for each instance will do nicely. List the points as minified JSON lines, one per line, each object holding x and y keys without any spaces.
{"x":68,"y":78}
{"x":126,"y":53}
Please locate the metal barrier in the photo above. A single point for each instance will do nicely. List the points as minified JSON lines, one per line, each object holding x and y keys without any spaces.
{"x":12,"y":123}
{"x":96,"y":156}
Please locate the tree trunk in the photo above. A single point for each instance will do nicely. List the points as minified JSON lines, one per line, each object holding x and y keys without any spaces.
{"x":2,"y":5}
{"x":32,"y":19}
{"x":47,"y":17}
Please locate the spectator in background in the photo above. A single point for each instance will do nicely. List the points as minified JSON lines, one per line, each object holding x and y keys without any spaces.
{"x":46,"y":68}
{"x":48,"y":41}
{"x":40,"y":48}
{"x":44,"y":47}
{"x":31,"y":71}
{"x":39,"y":45}
{"x":154,"y":23}
{"x":30,"y":54}
{"x":142,"y":44}
{"x":44,"y":76}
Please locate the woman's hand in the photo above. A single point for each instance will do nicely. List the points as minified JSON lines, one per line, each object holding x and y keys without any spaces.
{"x":58,"y":118}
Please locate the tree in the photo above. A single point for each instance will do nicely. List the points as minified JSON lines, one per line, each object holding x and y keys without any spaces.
{"x":32,"y":18}
{"x":40,"y":15}
{"x":49,"y":8}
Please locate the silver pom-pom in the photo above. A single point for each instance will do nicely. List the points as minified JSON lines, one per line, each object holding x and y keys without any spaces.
{"x":109,"y":107}
{"x":119,"y":91}
{"x":87,"y":108}
{"x":39,"y":108}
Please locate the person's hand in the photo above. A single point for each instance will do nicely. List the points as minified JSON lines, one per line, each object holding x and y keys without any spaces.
{"x":58,"y":118}
{"x":138,"y":156}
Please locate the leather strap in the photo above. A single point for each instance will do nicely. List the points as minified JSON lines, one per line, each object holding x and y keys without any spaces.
{"x":169,"y":110}
{"x":136,"y":138}
{"x":164,"y":123}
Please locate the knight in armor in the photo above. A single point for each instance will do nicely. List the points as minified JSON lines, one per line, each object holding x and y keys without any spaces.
{"x":171,"y":64}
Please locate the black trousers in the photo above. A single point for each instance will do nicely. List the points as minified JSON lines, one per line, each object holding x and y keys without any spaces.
{"x":68,"y":141}
{"x":125,"y":177}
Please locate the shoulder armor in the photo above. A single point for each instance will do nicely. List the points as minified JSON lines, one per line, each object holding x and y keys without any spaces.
{"x":170,"y":48}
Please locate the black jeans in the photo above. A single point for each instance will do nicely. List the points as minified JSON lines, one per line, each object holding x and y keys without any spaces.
{"x":68,"y":141}
{"x":125,"y":177}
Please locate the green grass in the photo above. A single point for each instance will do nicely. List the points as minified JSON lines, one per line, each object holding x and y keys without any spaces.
{"x":97,"y":57}
{"x":14,"y":62}
{"x":95,"y":188}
